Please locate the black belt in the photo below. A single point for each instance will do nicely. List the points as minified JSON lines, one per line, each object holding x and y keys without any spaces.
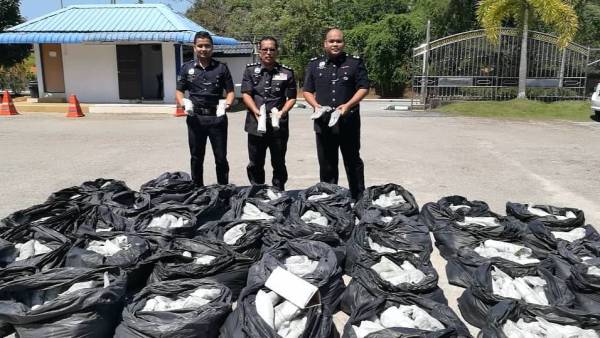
{"x":205,"y":111}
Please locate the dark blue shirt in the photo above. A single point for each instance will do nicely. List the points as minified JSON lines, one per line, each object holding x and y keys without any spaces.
{"x":205,"y":85}
{"x":272,"y":88}
{"x":334,"y":82}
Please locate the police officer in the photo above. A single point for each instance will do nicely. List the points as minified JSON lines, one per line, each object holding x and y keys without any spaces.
{"x":205,"y":80}
{"x":340,"y":81}
{"x":273,"y":85}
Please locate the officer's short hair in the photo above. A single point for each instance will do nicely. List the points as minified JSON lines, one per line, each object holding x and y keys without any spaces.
{"x":329,"y":30}
{"x":203,"y":35}
{"x":268,"y":38}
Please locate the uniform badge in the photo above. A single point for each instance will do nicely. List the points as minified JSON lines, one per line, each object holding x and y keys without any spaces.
{"x":322,"y":65}
{"x":191,"y":71}
{"x":257,"y":70}
{"x":280,"y":77}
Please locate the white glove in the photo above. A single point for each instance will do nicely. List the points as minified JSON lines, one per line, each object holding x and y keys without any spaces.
{"x":262,"y":119}
{"x":188,"y":106}
{"x":221,"y":107}
{"x":275,"y":117}
{"x":335,"y":116}
{"x":319,"y":112}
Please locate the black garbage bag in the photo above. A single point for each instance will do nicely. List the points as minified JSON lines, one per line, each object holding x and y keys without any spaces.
{"x":461,"y":267}
{"x":89,"y":192}
{"x":245,"y":321}
{"x":254,"y":209}
{"x":544,"y":241}
{"x":339,"y":219}
{"x":452,"y":208}
{"x":513,"y":310}
{"x":58,"y":216}
{"x":186,"y":258}
{"x":374,"y":199}
{"x":283,"y":232}
{"x":453,"y":326}
{"x":33,"y":215}
{"x":127,"y":203}
{"x":127,"y":251}
{"x":582,"y":278}
{"x":327,"y":275}
{"x":168,"y":219}
{"x":367,"y":284}
{"x":193,"y":320}
{"x":265,"y":194}
{"x":556,"y":219}
{"x":36,"y":246}
{"x":575,"y":252}
{"x":210,"y":202}
{"x":327,"y":194}
{"x":374,"y":237}
{"x":457,"y":234}
{"x":168,"y":187}
{"x":479,"y":298}
{"x":243,"y":236}
{"x":108,"y":249}
{"x":34,"y":306}
{"x":98,"y":218}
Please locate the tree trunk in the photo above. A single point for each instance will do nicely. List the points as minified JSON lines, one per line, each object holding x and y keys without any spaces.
{"x":523,"y":63}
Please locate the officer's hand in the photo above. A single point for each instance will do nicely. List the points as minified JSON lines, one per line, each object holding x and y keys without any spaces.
{"x":343,"y":108}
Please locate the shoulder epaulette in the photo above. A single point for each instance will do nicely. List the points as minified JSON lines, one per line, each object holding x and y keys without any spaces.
{"x":314,"y":59}
{"x":286,"y":67}
{"x":356,"y":56}
{"x":252,"y":64}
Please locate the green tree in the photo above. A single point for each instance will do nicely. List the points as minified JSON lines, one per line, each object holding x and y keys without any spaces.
{"x":10,"y":16}
{"x":386,"y":47}
{"x":555,"y":13}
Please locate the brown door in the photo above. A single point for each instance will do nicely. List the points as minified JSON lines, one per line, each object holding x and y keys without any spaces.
{"x":52,"y":68}
{"x":129,"y":66}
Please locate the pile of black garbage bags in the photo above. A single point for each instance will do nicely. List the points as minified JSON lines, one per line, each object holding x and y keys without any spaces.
{"x":175,"y":260}
{"x":532,"y":273}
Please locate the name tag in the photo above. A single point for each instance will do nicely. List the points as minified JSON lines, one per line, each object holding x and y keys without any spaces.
{"x":280,"y":77}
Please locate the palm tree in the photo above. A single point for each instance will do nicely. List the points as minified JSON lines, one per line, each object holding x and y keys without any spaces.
{"x":558,"y":14}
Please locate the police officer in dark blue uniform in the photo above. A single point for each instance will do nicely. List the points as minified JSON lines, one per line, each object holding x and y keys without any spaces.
{"x":340,"y":81}
{"x":273,"y":85}
{"x":206,"y":80}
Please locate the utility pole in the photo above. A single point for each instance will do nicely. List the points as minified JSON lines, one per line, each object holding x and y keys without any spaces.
{"x":61,"y":4}
{"x":425,"y":72}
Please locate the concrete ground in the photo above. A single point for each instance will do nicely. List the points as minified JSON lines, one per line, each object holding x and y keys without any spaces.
{"x":429,"y":154}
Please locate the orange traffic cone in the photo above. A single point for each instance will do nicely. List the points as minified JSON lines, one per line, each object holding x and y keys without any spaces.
{"x":74,"y":107}
{"x":179,"y":112}
{"x":8,"y":107}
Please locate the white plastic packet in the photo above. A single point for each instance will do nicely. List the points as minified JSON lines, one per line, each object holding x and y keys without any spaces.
{"x":334,"y":118}
{"x":314,"y":217}
{"x":232,"y":235}
{"x":221,"y":107}
{"x":389,"y":200}
{"x":275,"y":118}
{"x":319,"y":112}
{"x":188,"y":106}
{"x":30,"y":248}
{"x":262,"y":120}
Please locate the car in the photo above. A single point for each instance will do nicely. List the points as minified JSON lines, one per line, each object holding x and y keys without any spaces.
{"x":596,"y":101}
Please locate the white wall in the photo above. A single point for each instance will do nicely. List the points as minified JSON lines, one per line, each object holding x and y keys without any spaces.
{"x":237,"y":65}
{"x":91,"y":72}
{"x":169,"y":72}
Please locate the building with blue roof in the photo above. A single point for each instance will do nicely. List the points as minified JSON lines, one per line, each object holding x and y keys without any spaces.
{"x":117,"y":53}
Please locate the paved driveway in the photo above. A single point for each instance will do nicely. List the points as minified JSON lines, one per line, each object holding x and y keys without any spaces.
{"x":430,"y":155}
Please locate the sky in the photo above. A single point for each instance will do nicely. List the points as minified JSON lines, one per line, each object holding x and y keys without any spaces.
{"x":31,"y":9}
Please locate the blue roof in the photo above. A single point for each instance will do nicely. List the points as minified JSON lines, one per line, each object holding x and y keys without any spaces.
{"x":107,"y":23}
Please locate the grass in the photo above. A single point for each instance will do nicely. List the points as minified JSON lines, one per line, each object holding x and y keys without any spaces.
{"x":522,"y":109}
